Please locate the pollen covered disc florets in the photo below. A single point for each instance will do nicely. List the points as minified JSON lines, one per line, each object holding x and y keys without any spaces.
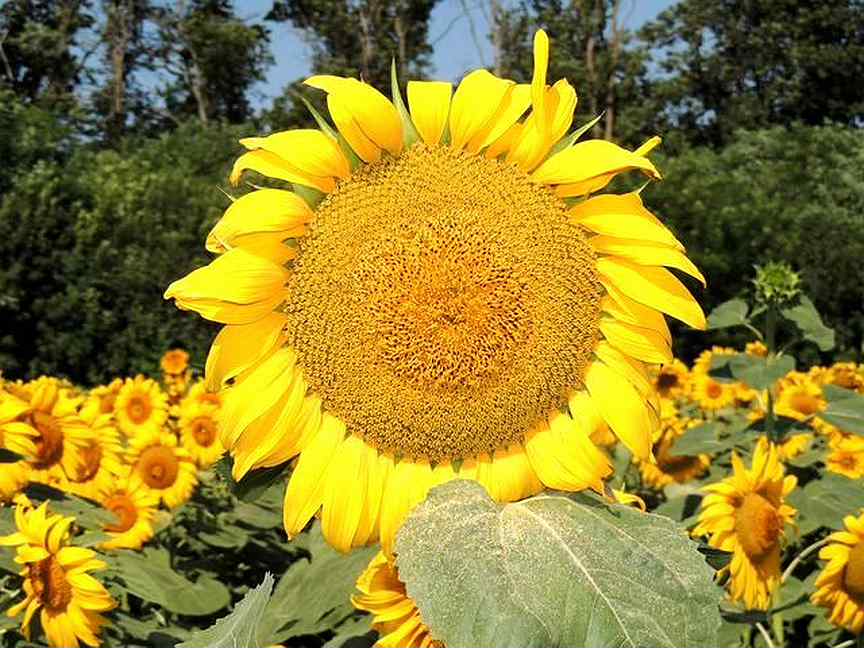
{"x":442,"y":303}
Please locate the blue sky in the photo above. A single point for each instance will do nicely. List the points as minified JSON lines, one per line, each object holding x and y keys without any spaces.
{"x":455,"y":50}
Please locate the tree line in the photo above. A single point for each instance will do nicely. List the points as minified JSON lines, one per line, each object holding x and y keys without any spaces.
{"x":118,"y":120}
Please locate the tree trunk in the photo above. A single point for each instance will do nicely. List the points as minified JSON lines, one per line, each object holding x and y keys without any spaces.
{"x":615,"y":54}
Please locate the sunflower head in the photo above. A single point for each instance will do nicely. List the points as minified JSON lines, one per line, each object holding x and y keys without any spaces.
{"x":199,"y":428}
{"x":141,"y":406}
{"x":133,"y":506}
{"x":56,"y":582}
{"x":394,"y":614}
{"x":799,"y":397}
{"x":158,"y":464}
{"x":840,"y":585}
{"x":846,"y":456}
{"x":458,"y":303}
{"x":746,"y":515}
{"x":174,"y":361}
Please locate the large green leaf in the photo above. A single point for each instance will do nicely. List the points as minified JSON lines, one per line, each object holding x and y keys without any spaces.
{"x":807,"y":319}
{"x":314,"y":594}
{"x":553,"y":570}
{"x":758,"y":373}
{"x":823,"y":502}
{"x":241,"y":627}
{"x":730,"y":313}
{"x":148,"y":575}
{"x":845,"y":409}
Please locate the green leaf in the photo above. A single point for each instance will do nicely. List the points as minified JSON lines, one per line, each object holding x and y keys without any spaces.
{"x":845,"y":409}
{"x":257,"y":516}
{"x":553,"y":571}
{"x":701,"y":439}
{"x":148,"y":575}
{"x":680,"y":507}
{"x":759,"y":373}
{"x":314,"y":594}
{"x":717,"y":558}
{"x":409,"y":132}
{"x":823,"y":502}
{"x":730,"y":313}
{"x":241,"y":627}
{"x":807,"y":319}
{"x":573,"y":137}
{"x":354,"y":633}
{"x":227,"y":536}
{"x":254,"y":484}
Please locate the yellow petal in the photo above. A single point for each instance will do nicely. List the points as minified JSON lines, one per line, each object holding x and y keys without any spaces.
{"x":255,"y":394}
{"x":238,"y":346}
{"x":623,"y":308}
{"x":305,"y":492}
{"x":379,"y":470}
{"x":622,"y":216}
{"x":344,"y":493}
{"x":307,"y":149}
{"x":515,"y":103}
{"x":589,"y":159}
{"x":643,"y":344}
{"x":262,"y":211}
{"x":236,"y":288}
{"x":372,"y":112}
{"x":626,"y":366}
{"x":563,"y":457}
{"x":429,"y":102}
{"x":511,"y":473}
{"x":273,"y":166}
{"x":541,"y":131}
{"x":538,"y":82}
{"x":647,"y":253}
{"x":654,"y":287}
{"x":623,"y":408}
{"x":475,"y":102}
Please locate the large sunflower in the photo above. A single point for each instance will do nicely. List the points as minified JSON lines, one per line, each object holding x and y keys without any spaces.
{"x":745,"y":514}
{"x":161,"y":466}
{"x":840,"y":586}
{"x":450,"y":289}
{"x":101,"y":459}
{"x":134,"y":506}
{"x":141,"y":407}
{"x":56,"y":579}
{"x":394,"y":615}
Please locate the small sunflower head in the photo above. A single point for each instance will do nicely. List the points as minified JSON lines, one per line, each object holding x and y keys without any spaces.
{"x":776,"y":283}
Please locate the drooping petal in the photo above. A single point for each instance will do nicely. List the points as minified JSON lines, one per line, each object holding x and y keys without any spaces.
{"x":623,"y":408}
{"x":371,"y":112}
{"x":647,"y":253}
{"x":475,"y":102}
{"x":235,"y":288}
{"x":515,"y":103}
{"x":622,"y":216}
{"x":641,"y":343}
{"x":266,"y":211}
{"x":589,"y":159}
{"x":654,"y":287}
{"x":271,"y":165}
{"x":307,"y":149}
{"x":563,"y":456}
{"x":429,"y":103}
{"x":238,"y":346}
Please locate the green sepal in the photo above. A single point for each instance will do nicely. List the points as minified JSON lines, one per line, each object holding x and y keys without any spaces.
{"x":409,"y":132}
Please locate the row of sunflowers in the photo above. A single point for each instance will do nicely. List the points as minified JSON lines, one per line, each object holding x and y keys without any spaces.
{"x":137,"y":449}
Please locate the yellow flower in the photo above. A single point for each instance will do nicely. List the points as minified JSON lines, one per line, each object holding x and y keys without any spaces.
{"x":673,"y":379}
{"x":446,"y":306}
{"x":702,"y":365}
{"x":141,"y":407}
{"x":101,"y":399}
{"x":61,"y":433}
{"x":13,"y":478}
{"x":794,"y":446}
{"x":56,"y":579}
{"x":711,"y":394}
{"x":16,"y":435}
{"x":756,"y":349}
{"x":840,"y":585}
{"x":394,"y":614}
{"x":163,"y":467}
{"x":175,"y":361}
{"x":671,"y":468}
{"x":134,"y":508}
{"x":845,"y":374}
{"x":199,"y":429}
{"x":745,"y":514}
{"x":799,"y":397}
{"x":847,"y":456}
{"x":101,"y":460}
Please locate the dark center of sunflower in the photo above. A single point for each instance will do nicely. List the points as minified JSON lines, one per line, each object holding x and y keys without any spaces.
{"x":757,"y":526}
{"x":713,"y":389}
{"x":442,"y":303}
{"x":204,"y":431}
{"x":675,"y":464}
{"x":804,"y":403}
{"x":666,"y":381}
{"x":50,"y":586}
{"x":91,"y":458}
{"x":138,"y":408}
{"x":158,"y":467}
{"x":853,"y":573}
{"x":106,"y":403}
{"x":49,"y":445}
{"x":122,"y":506}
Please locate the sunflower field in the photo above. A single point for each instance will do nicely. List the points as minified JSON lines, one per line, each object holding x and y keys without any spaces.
{"x":442,"y":409}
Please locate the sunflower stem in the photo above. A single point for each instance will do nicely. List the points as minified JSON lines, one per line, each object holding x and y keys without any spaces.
{"x":801,"y":556}
{"x":765,"y":635}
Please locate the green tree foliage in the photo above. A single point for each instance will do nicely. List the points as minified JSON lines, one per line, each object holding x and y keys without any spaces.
{"x":592,"y":49}
{"x":750,"y":64}
{"x":774,"y":195}
{"x":90,"y":240}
